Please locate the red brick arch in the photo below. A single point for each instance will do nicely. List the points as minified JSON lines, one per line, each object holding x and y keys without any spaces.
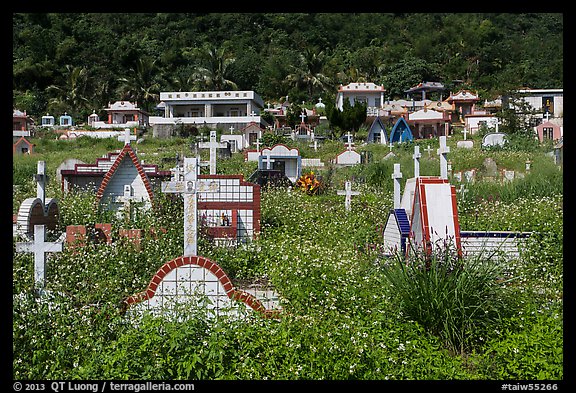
{"x":231,"y":291}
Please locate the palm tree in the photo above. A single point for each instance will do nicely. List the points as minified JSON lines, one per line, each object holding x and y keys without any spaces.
{"x":141,"y":85}
{"x":214,"y":68}
{"x":70,"y":97}
{"x":308,"y":74}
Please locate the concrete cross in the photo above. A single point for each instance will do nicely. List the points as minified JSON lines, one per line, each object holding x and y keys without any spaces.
{"x":190,"y":187}
{"x":213,"y":146}
{"x":268,"y":160}
{"x":416,"y":156}
{"x":41,"y":181}
{"x":258,"y":143}
{"x":442,"y":152}
{"x":302,"y":116}
{"x":348,"y":192}
{"x":127,"y":137}
{"x":465,"y":132}
{"x":349,"y":143}
{"x":231,"y":129}
{"x":428,"y":149}
{"x":39,"y":247}
{"x":396,"y":176}
{"x":498,"y":122}
{"x":127,"y":198}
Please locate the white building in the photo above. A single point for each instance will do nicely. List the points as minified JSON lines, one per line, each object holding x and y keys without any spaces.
{"x":214,"y":109}
{"x":122,"y":114}
{"x":545,"y":100}
{"x":365,"y":92}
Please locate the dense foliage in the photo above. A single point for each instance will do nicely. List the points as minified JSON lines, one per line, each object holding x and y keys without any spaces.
{"x":78,"y":62}
{"x":348,"y":313}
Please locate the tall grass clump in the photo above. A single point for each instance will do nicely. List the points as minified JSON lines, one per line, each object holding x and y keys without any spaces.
{"x":453,"y":298}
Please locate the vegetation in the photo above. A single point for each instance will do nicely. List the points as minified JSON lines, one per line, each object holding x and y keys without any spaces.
{"x":348,"y":312}
{"x":78,"y":62}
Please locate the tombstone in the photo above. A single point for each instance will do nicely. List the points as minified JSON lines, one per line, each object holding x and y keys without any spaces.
{"x":507,"y":175}
{"x":442,"y":152}
{"x":429,"y":150}
{"x":494,"y":139}
{"x":39,"y":247}
{"x":434,"y":221}
{"x":127,"y":137}
{"x":490,"y":168}
{"x":189,"y":187}
{"x":281,"y":158}
{"x":348,"y":193}
{"x":465,"y":144}
{"x":416,"y":156}
{"x":396,"y":176}
{"x":39,"y":210}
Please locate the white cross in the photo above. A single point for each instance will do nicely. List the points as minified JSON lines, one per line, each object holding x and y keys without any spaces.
{"x":465,"y":131}
{"x":547,"y":115}
{"x":190,"y":187}
{"x":213,"y":145}
{"x":258,"y":143}
{"x":349,"y":143}
{"x":348,"y":192}
{"x":252,"y":114}
{"x":382,"y":137}
{"x":231,"y":129}
{"x":41,"y":180}
{"x":442,"y":151}
{"x":428,"y":149}
{"x":127,"y":137}
{"x":497,"y":123}
{"x":396,"y":176}
{"x":302,"y":116}
{"x":39,"y":247}
{"x":416,"y":156}
{"x":315,"y":145}
{"x":126,"y":198}
{"x":268,"y":160}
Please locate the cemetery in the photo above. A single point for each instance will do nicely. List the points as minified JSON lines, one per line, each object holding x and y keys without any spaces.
{"x":215,"y":232}
{"x":268,"y":259}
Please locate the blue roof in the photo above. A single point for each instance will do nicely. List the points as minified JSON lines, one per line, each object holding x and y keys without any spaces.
{"x":401,"y":131}
{"x":402,"y":220}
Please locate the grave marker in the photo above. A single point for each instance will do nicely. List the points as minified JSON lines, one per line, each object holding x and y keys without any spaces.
{"x":442,"y":152}
{"x":416,"y":156}
{"x":348,"y":192}
{"x":396,"y":176}
{"x":268,"y":160}
{"x":127,"y":137}
{"x":190,"y":186}
{"x":39,"y":247}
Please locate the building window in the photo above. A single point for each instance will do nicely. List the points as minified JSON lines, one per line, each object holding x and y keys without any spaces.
{"x":547,"y":133}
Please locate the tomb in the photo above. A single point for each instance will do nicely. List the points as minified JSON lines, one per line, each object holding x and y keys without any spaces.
{"x":401,"y":132}
{"x":377,"y":132}
{"x":39,"y":210}
{"x":283,"y":159}
{"x":22,"y":146}
{"x":494,"y":139}
{"x":348,"y":157}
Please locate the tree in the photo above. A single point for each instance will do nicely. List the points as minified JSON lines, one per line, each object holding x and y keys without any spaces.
{"x":141,"y":85}
{"x":308,"y":74}
{"x":214,"y":68}
{"x":70,"y":98}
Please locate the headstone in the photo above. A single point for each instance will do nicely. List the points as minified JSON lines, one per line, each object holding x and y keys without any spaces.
{"x":465,"y":144}
{"x":490,"y":167}
{"x":348,"y":193}
{"x":442,"y":152}
{"x":428,"y":149}
{"x":189,"y":187}
{"x":39,"y":247}
{"x":416,"y":156}
{"x":396,"y":176}
{"x":494,"y":139}
{"x":127,"y":137}
{"x":507,"y":175}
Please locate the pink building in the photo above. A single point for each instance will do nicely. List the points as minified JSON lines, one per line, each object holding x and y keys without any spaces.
{"x":549,"y":131}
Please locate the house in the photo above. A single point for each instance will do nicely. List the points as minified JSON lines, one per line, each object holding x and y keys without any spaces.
{"x":21,"y":122}
{"x":281,"y":158}
{"x":47,"y":120}
{"x":123,"y":114}
{"x":22,"y":146}
{"x":428,"y":123}
{"x":66,"y":120}
{"x":463,"y":103}
{"x":549,"y":130}
{"x":544,"y":101}
{"x":377,"y":132}
{"x":213,"y":109}
{"x":89,"y":177}
{"x":365,"y":92}
{"x":401,"y":131}
{"x":426,"y":87}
